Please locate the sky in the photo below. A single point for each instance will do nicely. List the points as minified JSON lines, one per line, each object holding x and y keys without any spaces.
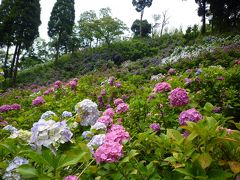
{"x":181,"y":13}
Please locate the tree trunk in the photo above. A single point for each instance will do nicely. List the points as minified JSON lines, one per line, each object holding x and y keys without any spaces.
{"x":16,"y":66}
{"x":13,"y":61}
{"x":5,"y":70}
{"x":141,"y":22}
{"x":204,"y":18}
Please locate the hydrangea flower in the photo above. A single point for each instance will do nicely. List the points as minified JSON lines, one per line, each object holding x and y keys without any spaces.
{"x":189,"y":115}
{"x":111,"y":80}
{"x":10,"y":128}
{"x":72,"y":84}
{"x":121,"y":108}
{"x":185,"y":134}
{"x":71,"y":177}
{"x":49,"y":134}
{"x":48,"y":91}
{"x":57,"y":84}
{"x":124,"y":97}
{"x":100,"y":101}
{"x":47,"y":115}
{"x":88,"y":112}
{"x":22,"y":134}
{"x":5,"y":108}
{"x":118,"y":101}
{"x":220,"y":78}
{"x":103,"y":92}
{"x":118,"y":85}
{"x":178,"y":97}
{"x":66,"y":114}
{"x":198,"y":72}
{"x":15,"y":163}
{"x":109,"y":112}
{"x":87,"y":135}
{"x":117,"y":133}
{"x":38,"y":101}
{"x":155,"y":127}
{"x":188,"y":81}
{"x":109,"y":152}
{"x":162,"y":87}
{"x":172,"y":71}
{"x":105,"y":119}
{"x":95,"y":142}
{"x":98,"y":126}
{"x":151,"y":96}
{"x":217,"y":110}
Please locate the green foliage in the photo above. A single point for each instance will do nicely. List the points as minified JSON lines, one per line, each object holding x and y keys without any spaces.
{"x":146,"y":28}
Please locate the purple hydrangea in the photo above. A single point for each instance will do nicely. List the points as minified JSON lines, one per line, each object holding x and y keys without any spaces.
{"x":71,"y":177}
{"x":217,"y":110}
{"x":5,"y":108}
{"x":155,"y":127}
{"x":178,"y":97}
{"x":109,"y":112}
{"x":122,"y":108}
{"x":162,"y":87}
{"x":107,"y":120}
{"x":118,"y":84}
{"x":118,"y":101}
{"x":189,"y":115}
{"x":38,"y":101}
{"x":172,"y":71}
{"x":111,"y":80}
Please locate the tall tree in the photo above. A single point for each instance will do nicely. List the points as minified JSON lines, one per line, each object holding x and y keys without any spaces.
{"x":140,"y":6}
{"x":60,"y":25}
{"x":23,"y":19}
{"x":202,"y":11}
{"x":146,"y":28}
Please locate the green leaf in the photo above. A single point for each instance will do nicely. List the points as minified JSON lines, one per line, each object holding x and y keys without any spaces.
{"x":174,"y":134}
{"x":27,"y":171}
{"x":184,"y":171}
{"x":205,"y":160}
{"x":208,"y":107}
{"x":130,"y":155}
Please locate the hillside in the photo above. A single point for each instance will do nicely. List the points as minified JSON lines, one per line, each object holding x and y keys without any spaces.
{"x":162,"y":109}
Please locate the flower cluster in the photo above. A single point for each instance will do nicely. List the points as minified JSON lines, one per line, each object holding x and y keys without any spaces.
{"x":72,"y":84}
{"x":109,"y":112}
{"x":155,"y":127}
{"x":49,"y":134}
{"x":22,"y":134}
{"x":71,"y":177}
{"x":10,"y":128}
{"x":172,"y":71}
{"x":162,"y":87}
{"x":38,"y":101}
{"x":105,"y":119}
{"x":121,"y":108}
{"x":178,"y":97}
{"x":48,"y":91}
{"x":10,"y":171}
{"x":48,"y":115}
{"x":117,"y":133}
{"x":66,"y":114}
{"x":111,"y":80}
{"x":88,"y":112}
{"x":189,"y":115}
{"x":57,"y":84}
{"x":118,"y":101}
{"x":5,"y":108}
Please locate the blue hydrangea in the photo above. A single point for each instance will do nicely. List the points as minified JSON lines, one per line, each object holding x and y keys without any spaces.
{"x":15,"y":163}
{"x":47,"y":115}
{"x":66,"y":114}
{"x":87,"y":135}
{"x":10,"y":128}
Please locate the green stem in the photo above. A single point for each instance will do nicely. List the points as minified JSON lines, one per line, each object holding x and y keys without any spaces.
{"x":85,"y":168}
{"x":124,"y":175}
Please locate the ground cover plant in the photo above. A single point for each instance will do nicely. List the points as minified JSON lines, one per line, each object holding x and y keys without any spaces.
{"x":174,"y":125}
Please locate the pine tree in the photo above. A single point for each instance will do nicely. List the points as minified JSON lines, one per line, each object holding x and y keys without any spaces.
{"x":60,"y":25}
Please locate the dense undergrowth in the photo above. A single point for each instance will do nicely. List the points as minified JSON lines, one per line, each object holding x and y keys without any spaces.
{"x":178,"y":120}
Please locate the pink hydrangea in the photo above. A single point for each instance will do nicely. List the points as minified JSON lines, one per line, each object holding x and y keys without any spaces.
{"x":121,"y":108}
{"x":38,"y":101}
{"x":57,"y":84}
{"x":118,"y":101}
{"x":109,"y":152}
{"x":172,"y":71}
{"x":117,"y":133}
{"x":109,"y":112}
{"x":178,"y":97}
{"x":71,"y":177}
{"x":105,"y":119}
{"x":155,"y":127}
{"x":72,"y":84}
{"x":161,"y":87}
{"x":48,"y":91}
{"x":189,"y":115}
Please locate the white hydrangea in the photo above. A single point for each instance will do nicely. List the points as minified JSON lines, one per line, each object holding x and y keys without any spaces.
{"x":156,"y":77}
{"x":98,"y":126}
{"x":15,"y":163}
{"x":47,"y":115}
{"x":22,"y":134}
{"x":49,"y":134}
{"x":87,"y":111}
{"x":10,"y":128}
